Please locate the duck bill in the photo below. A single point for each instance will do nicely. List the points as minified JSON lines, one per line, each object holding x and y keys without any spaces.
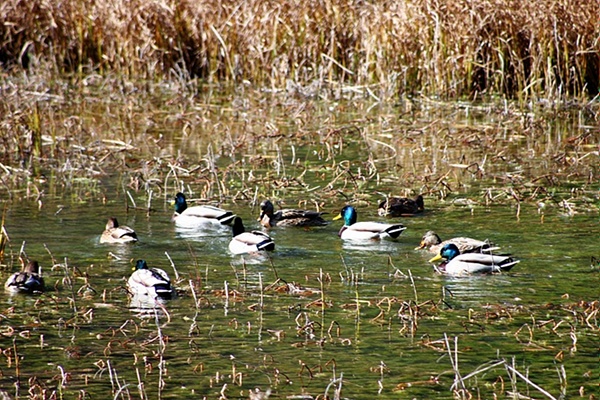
{"x":421,"y":246}
{"x":436,"y":258}
{"x":339,"y":216}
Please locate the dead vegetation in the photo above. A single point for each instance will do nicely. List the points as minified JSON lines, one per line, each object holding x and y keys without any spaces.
{"x":452,"y":49}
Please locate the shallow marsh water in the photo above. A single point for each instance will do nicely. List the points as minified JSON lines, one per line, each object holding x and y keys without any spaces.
{"x":371,"y":331}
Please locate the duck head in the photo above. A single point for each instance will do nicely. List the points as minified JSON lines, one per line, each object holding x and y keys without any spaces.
{"x":266,"y":208}
{"x":420,"y":203}
{"x":349,"y":214}
{"x":238,"y":226}
{"x":180,"y":203}
{"x":32,"y":267}
{"x":430,"y":238}
{"x":140,"y":264}
{"x":448,"y":252}
{"x":112,"y":223}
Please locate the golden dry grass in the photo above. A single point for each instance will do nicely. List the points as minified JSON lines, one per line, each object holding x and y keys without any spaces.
{"x":450,"y":48}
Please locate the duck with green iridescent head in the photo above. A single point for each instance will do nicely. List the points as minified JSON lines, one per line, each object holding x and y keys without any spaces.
{"x":471,"y":263}
{"x":365,"y":230}
{"x":199,"y":216}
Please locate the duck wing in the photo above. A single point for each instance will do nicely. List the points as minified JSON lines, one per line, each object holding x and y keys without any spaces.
{"x":207,"y":214}
{"x":251,"y":242}
{"x":371,"y":230}
{"x":121,"y":234}
{"x":479,"y":263}
{"x":298,"y":217}
{"x":148,"y":280}
{"x":470,"y":245}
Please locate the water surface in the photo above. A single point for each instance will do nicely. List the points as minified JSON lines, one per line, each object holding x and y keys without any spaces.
{"x":360,"y":322}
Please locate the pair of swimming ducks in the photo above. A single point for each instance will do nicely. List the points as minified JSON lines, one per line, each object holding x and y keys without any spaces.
{"x":462,"y":256}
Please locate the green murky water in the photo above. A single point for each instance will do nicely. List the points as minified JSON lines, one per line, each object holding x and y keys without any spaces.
{"x":370,"y":332}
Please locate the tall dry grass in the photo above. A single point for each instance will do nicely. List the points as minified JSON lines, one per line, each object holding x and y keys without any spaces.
{"x":450,"y":48}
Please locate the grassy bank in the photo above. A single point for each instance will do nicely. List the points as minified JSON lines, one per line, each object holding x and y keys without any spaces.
{"x":450,"y":48}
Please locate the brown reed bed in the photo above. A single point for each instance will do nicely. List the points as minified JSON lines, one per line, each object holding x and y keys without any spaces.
{"x":448,"y":48}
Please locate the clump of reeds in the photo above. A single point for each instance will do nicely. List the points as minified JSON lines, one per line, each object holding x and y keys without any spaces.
{"x":453,"y":48}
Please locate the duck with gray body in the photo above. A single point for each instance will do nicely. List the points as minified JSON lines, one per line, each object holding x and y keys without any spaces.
{"x":199,"y":216}
{"x":247,"y":242}
{"x":365,"y":231}
{"x":471,"y":263}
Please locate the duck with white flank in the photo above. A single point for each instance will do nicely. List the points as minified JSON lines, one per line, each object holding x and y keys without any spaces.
{"x":362,"y":231}
{"x":249,"y":242}
{"x":199,"y":216}
{"x":471,"y":263}
{"x":151,"y":282}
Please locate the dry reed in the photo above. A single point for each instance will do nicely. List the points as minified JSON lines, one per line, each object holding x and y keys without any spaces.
{"x":449,"y":48}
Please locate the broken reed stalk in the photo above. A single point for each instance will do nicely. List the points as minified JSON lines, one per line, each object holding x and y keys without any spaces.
{"x":162,"y":345}
{"x":141,"y":388}
{"x":68,"y":282}
{"x":458,"y":380}
{"x":412,"y":282}
{"x":173,"y":266}
{"x":514,"y":371}
{"x":338,"y":390}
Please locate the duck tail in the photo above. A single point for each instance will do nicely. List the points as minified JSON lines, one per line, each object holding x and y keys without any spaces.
{"x":509,"y":264}
{"x":226,"y":218}
{"x":163,"y":290}
{"x":268,"y":245}
{"x":395,"y":230}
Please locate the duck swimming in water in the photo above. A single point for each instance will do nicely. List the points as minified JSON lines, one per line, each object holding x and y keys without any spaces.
{"x":362,"y":231}
{"x":150,"y":282}
{"x":270,"y":218}
{"x":244,"y":242}
{"x":433,"y":243}
{"x":471,"y":263}
{"x":199,"y":216}
{"x":401,"y":206}
{"x":115,"y":233}
{"x":29,"y":280}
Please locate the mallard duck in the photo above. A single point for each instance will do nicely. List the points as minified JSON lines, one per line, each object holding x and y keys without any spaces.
{"x":29,"y":280}
{"x":401,"y":206}
{"x":198,"y":216}
{"x":471,"y":263}
{"x":433,"y":243}
{"x":152,"y":282}
{"x":288,"y":217}
{"x":248,"y":242}
{"x":115,"y":233}
{"x":353,"y":230}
